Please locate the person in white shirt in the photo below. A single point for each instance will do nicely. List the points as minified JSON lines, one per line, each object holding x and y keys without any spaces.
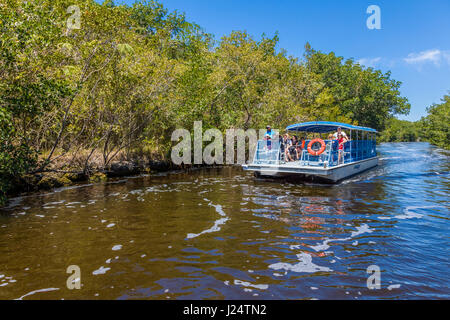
{"x":339,"y":131}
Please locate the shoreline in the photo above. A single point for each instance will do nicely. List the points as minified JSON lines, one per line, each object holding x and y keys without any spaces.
{"x":53,"y":179}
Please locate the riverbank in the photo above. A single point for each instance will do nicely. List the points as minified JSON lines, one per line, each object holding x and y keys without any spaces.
{"x":54,"y":178}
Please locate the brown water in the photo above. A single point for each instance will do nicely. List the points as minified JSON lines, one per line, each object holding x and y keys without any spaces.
{"x":221,"y":234}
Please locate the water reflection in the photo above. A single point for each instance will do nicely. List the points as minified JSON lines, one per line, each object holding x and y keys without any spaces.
{"x":221,"y":234}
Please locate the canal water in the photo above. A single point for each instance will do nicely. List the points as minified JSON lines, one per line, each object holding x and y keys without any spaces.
{"x":222,"y":234}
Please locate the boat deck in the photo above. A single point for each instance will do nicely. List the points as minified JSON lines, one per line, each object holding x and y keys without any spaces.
{"x":334,"y":173}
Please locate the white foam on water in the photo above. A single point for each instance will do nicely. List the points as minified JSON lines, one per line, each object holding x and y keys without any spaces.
{"x":408,"y":213}
{"x":248,"y":284}
{"x":217,"y":223}
{"x":53,"y":203}
{"x":117,"y":247}
{"x":305,"y":265}
{"x":110,"y":225}
{"x":360,"y":230}
{"x":214,"y":228}
{"x":100,"y":270}
{"x":325,"y":244}
{"x":394,"y":286}
{"x":37,"y":291}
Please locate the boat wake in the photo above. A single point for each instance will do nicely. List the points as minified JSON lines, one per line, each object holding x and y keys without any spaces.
{"x":217,"y":223}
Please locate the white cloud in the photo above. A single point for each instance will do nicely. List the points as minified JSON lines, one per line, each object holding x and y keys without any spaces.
{"x":447,"y":56}
{"x":369,"y":62}
{"x":435,"y":56}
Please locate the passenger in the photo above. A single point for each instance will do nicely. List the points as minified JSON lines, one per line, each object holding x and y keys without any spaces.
{"x":300,"y":147}
{"x":280,"y":141}
{"x":283,"y":143}
{"x":294,"y":140}
{"x":330,"y":137}
{"x":339,"y":131}
{"x":292,"y":154}
{"x":341,"y":140}
{"x":268,"y":137}
{"x":287,"y":144}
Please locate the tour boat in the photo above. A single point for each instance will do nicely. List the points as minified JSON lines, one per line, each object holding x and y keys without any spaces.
{"x":320,"y":158}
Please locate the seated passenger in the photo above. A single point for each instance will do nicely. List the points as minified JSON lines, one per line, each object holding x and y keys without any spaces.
{"x":283,"y":143}
{"x":287,"y":142}
{"x":292,"y":154}
{"x":301,"y":145}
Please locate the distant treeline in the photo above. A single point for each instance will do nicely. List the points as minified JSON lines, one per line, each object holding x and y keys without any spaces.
{"x":83,"y":84}
{"x":435,"y":127}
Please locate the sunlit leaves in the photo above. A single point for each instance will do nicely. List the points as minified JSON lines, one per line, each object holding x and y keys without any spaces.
{"x":436,"y":126}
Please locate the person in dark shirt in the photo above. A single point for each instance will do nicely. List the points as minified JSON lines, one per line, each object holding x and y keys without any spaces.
{"x":292,"y":154}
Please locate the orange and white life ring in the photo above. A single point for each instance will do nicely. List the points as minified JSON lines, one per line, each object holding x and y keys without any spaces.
{"x":323,"y":146}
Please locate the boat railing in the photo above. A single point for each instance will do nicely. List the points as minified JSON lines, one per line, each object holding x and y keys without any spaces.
{"x":267,"y":152}
{"x":271,"y":152}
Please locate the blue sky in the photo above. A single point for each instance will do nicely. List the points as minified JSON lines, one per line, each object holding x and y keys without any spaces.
{"x":413,"y":42}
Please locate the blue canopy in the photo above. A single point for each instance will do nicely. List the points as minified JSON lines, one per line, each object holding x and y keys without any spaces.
{"x":325,"y":126}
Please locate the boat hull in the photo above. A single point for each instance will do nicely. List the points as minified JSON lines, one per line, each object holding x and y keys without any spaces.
{"x":332,"y":174}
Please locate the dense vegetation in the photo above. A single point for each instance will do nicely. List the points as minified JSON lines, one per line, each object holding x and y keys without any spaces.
{"x":77,"y":99}
{"x":400,"y":131}
{"x":433,"y":128}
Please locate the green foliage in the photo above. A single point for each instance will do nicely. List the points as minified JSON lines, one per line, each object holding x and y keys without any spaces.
{"x":366,"y":96}
{"x":400,"y":131}
{"x":435,"y":126}
{"x":16,"y":157}
{"x":132,"y":74}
